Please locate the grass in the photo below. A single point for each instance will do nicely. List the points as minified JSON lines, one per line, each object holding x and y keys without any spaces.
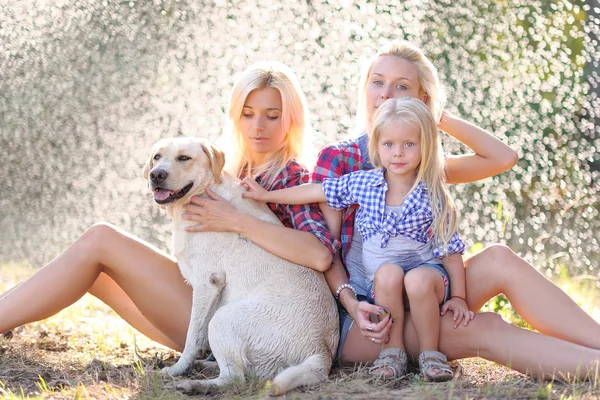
{"x":88,"y":352}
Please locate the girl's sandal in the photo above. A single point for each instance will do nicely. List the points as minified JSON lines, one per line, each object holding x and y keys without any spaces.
{"x":429,"y":361}
{"x":392,"y":359}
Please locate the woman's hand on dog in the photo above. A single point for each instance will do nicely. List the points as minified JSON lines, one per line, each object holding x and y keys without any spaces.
{"x":213,"y":214}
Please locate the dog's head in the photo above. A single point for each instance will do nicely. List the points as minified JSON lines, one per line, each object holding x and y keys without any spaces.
{"x":179,"y":166}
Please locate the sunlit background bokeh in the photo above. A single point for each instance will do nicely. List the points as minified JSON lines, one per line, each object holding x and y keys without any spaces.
{"x":87,"y":86}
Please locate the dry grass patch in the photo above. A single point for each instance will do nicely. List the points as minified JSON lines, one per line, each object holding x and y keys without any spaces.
{"x":88,"y":352}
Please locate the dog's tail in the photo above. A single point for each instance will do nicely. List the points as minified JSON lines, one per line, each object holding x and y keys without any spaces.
{"x":311,"y":371}
{"x":219,"y":281}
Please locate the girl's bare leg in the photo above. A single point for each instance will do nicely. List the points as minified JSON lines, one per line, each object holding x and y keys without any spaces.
{"x":142,"y":284}
{"x":425,"y":291}
{"x":497,"y":269}
{"x":388,"y":287}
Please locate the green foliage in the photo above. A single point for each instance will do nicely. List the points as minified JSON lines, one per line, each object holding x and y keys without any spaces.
{"x":88,"y":86}
{"x":500,"y":305}
{"x":42,"y":384}
{"x":544,"y":392}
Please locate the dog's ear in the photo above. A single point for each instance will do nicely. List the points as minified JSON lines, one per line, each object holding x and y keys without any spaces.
{"x":217,"y":160}
{"x":148,"y":166}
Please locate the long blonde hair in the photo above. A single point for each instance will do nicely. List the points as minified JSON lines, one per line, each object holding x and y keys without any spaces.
{"x":430,"y":171}
{"x":426,"y":72}
{"x":294,"y":118}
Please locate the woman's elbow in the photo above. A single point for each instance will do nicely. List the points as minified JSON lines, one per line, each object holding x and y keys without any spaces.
{"x":322,"y":260}
{"x":511,"y":159}
{"x":507,"y":160}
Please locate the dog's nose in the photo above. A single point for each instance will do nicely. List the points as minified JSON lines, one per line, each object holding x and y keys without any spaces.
{"x":158,"y":175}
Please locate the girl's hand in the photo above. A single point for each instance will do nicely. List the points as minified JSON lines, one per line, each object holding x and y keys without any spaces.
{"x":459,"y":309}
{"x":214,"y":214}
{"x":375,"y":332}
{"x":254,"y":190}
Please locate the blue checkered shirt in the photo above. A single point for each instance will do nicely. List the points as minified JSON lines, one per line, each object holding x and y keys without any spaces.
{"x":367,"y":189}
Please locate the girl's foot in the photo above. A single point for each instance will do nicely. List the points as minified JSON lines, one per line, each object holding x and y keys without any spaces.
{"x":434,"y":366}
{"x":391,"y":364}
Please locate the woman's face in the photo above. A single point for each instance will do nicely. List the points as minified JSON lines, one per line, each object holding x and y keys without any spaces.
{"x":391,"y":77}
{"x":261,"y":123}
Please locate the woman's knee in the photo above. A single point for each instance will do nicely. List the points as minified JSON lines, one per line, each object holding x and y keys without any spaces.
{"x":497,"y":262}
{"x":388,"y":276}
{"x":498,"y":253}
{"x":92,"y":240}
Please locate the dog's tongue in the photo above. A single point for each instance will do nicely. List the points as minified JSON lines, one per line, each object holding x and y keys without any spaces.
{"x":162,"y":194}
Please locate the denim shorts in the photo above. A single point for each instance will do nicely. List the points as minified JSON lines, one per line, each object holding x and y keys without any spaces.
{"x":346,"y":320}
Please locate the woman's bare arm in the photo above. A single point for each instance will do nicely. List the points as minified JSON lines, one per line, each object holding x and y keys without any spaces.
{"x":491,"y":155}
{"x":218,"y":215}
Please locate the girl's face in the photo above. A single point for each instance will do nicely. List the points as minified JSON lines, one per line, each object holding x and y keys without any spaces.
{"x":399,"y":149}
{"x":261,"y":123}
{"x":391,"y":77}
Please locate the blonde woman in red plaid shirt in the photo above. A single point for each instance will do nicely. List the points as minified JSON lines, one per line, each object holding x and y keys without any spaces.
{"x":267,"y":116}
{"x":569,"y":341}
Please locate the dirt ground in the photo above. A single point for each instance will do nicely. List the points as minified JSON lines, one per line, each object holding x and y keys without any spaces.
{"x":88,"y":352}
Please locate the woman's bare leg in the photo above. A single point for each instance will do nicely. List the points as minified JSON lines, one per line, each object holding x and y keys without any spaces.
{"x":489,"y":337}
{"x":497,"y":269}
{"x":358,"y":349}
{"x":112,"y":295}
{"x":152,"y":291}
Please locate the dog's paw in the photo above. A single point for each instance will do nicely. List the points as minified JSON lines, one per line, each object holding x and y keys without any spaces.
{"x":171,"y":371}
{"x":191,"y":387}
{"x":176,"y":369}
{"x":165,"y":370}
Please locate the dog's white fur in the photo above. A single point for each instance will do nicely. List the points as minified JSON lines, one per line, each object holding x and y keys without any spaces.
{"x":258,"y":313}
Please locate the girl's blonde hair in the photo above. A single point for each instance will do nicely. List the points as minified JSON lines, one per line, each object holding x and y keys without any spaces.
{"x":426,"y":72}
{"x":430,"y":171}
{"x":294,"y":117}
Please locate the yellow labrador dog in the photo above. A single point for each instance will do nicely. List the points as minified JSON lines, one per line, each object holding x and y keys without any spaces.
{"x":260,"y":315}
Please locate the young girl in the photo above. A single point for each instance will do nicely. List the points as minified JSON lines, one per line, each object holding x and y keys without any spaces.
{"x":407,"y":220}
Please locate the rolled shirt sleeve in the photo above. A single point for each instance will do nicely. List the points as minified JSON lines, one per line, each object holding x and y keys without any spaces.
{"x":338,"y":193}
{"x":455,"y":246}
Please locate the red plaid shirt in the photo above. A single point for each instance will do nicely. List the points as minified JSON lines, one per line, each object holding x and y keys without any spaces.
{"x":340,"y":159}
{"x":306,"y":217}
